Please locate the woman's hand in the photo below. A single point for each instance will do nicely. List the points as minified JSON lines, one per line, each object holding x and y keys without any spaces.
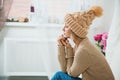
{"x":67,"y":44}
{"x":59,"y":40}
{"x":63,"y":41}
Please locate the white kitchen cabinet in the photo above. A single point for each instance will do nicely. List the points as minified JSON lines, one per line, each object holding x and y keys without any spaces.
{"x":26,"y":47}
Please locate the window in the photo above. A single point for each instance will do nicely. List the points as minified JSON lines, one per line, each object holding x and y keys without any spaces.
{"x":19,"y":11}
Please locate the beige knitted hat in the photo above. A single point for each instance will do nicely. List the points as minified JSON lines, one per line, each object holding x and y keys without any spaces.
{"x":79,"y":22}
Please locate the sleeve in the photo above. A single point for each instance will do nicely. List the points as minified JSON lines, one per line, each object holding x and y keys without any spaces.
{"x":80,"y":63}
{"x":69,"y":56}
{"x":62,"y":58}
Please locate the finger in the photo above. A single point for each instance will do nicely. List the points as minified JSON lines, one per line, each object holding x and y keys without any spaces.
{"x":68,"y":44}
{"x":60,"y":43}
{"x":61,"y":37}
{"x":63,"y":42}
{"x":66,"y":41}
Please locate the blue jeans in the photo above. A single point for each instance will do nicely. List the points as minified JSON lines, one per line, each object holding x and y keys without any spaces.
{"x":63,"y":76}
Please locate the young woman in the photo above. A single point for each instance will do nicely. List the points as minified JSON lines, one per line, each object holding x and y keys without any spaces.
{"x":84,"y":58}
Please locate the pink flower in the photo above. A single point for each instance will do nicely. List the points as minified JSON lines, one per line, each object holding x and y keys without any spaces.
{"x":103,"y":43}
{"x":98,"y":37}
{"x":104,"y":36}
{"x":104,"y":48}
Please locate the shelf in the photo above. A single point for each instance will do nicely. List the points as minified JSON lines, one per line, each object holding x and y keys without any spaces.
{"x":17,"y":24}
{"x":24,"y":40}
{"x":51,"y":25}
{"x":29,"y":25}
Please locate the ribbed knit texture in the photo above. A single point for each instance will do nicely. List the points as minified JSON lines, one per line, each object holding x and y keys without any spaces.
{"x":88,"y":61}
{"x":79,"y":22}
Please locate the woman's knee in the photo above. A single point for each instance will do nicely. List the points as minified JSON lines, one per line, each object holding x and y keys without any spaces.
{"x":59,"y":72}
{"x":57,"y":75}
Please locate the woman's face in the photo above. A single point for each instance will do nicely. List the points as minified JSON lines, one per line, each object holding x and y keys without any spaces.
{"x":67,"y":31}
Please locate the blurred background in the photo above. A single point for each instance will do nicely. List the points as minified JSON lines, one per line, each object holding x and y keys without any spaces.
{"x":30,"y":28}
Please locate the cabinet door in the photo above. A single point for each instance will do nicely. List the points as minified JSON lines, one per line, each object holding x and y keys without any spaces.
{"x":24,"y":56}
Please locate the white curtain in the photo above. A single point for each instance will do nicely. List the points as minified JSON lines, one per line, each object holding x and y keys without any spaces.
{"x":103,"y":23}
{"x":5,"y":6}
{"x":113,"y":44}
